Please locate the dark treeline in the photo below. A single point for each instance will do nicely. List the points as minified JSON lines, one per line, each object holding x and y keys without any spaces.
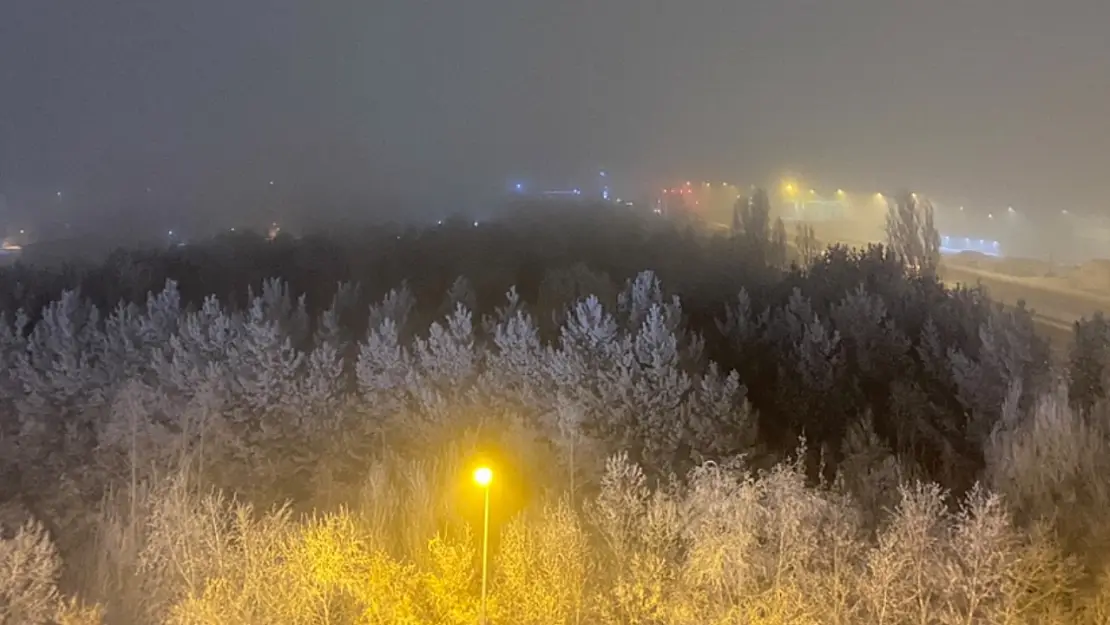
{"x":686,"y":427}
{"x":818,"y":348}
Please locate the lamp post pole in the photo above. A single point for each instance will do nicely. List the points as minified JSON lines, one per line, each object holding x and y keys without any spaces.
{"x":485,"y":556}
{"x":483,"y":476}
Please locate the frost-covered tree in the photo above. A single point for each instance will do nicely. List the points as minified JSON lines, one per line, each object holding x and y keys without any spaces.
{"x":277,"y":305}
{"x":1089,"y":362}
{"x":460,"y":293}
{"x":1011,"y":358}
{"x":396,"y":306}
{"x":264,"y":364}
{"x":323,"y":383}
{"x":635,"y":302}
{"x":64,"y":383}
{"x":805,"y":241}
{"x":516,"y":364}
{"x":29,"y":572}
{"x":199,"y":354}
{"x":911,"y":232}
{"x":383,"y":368}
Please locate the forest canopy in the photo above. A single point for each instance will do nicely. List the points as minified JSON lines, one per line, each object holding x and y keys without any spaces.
{"x":686,"y":428}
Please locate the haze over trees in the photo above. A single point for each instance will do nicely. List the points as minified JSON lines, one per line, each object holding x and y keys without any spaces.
{"x":685,"y":429}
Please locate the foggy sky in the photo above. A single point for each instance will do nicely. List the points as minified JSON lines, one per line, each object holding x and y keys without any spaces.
{"x":1001,"y":102}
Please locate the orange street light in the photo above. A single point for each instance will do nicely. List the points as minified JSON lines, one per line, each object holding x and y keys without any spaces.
{"x":483,"y":476}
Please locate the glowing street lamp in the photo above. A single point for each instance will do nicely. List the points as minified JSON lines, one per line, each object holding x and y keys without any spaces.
{"x":482,"y":477}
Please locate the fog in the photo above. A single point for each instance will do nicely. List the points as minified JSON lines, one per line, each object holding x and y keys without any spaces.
{"x":183,"y":113}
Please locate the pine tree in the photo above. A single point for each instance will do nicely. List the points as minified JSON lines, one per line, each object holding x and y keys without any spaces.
{"x":1089,"y":362}
{"x":395,"y":306}
{"x":264,"y":363}
{"x":382,"y":371}
{"x":460,"y":293}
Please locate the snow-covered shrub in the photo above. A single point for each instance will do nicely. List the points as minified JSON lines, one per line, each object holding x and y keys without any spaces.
{"x":29,"y":572}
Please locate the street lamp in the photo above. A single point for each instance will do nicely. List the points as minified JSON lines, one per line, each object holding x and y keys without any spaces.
{"x":482,"y":477}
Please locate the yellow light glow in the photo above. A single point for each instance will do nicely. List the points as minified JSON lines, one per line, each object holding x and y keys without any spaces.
{"x":789,"y":188}
{"x":483,"y":476}
{"x":840,"y":191}
{"x":813,"y":192}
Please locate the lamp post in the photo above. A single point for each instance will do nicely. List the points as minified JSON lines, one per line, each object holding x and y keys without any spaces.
{"x":482,"y":477}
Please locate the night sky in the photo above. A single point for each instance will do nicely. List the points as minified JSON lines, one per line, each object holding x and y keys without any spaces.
{"x":196,"y":105}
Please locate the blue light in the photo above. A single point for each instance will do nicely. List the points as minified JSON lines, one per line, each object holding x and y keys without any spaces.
{"x":519,"y":187}
{"x":605,"y":194}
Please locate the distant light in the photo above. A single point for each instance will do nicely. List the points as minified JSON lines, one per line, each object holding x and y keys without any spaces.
{"x":233,"y":229}
{"x":687,"y":183}
{"x":578,"y":191}
{"x":913,"y":195}
{"x":961,"y":208}
{"x":840,"y":191}
{"x":878,"y":196}
{"x":59,"y":194}
{"x":170,"y":233}
{"x":439,"y":222}
{"x":519,"y":186}
{"x":602,"y":174}
{"x":812,"y":192}
{"x":271,"y":183}
{"x":21,"y":231}
{"x":475,"y":224}
{"x":1064,"y":212}
{"x":1010,"y":209}
{"x":990,"y":215}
